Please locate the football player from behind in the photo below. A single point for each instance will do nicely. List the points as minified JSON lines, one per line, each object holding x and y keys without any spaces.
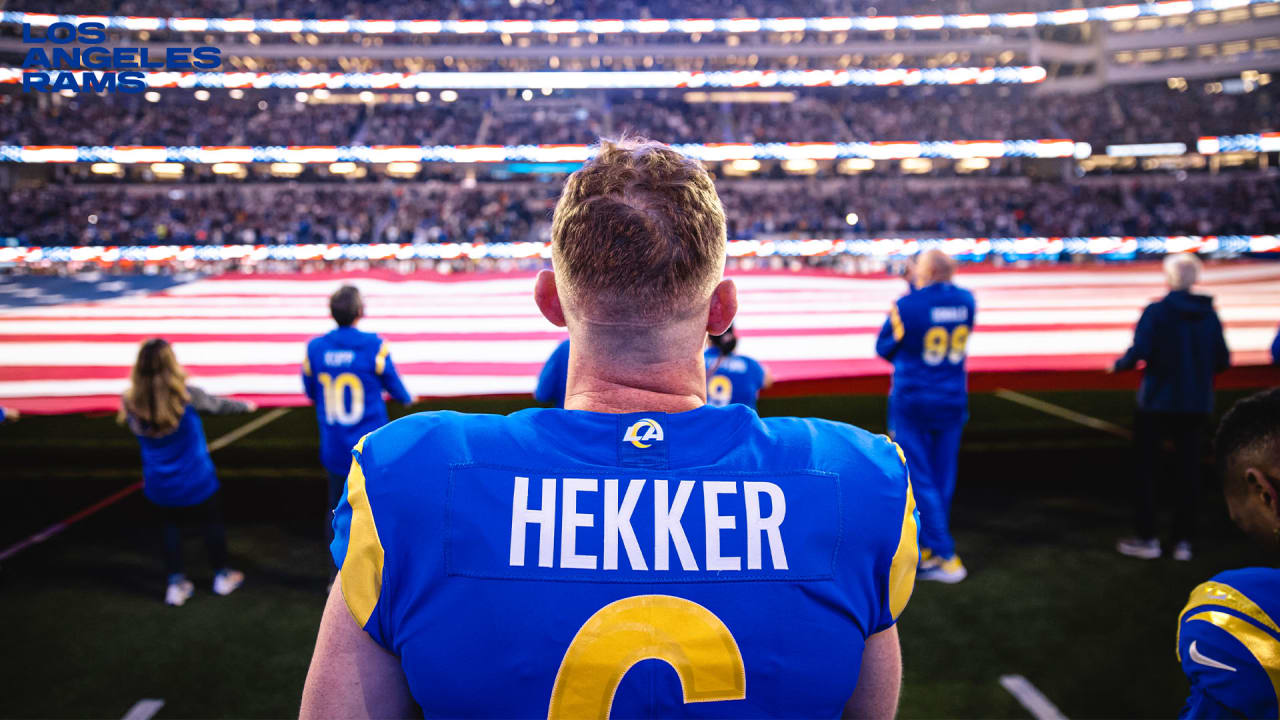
{"x":345,"y":374}
{"x":731,"y":377}
{"x":926,"y":338}
{"x":640,"y":552}
{"x":1228,"y":636}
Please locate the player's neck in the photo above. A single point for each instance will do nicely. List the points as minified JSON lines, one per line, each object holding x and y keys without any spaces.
{"x":670,"y":387}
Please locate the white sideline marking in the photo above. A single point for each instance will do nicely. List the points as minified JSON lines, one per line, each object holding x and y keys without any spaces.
{"x":246,"y":428}
{"x":1064,"y":413}
{"x":144,"y":709}
{"x":1031,"y":698}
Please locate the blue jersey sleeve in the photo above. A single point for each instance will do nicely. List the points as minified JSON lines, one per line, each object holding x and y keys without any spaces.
{"x":891,"y":334}
{"x":357,"y":549}
{"x":310,"y":385}
{"x":1143,"y":337}
{"x":386,"y":371}
{"x":1228,"y":647}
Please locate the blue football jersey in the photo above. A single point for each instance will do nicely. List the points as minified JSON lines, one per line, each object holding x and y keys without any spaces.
{"x":553,"y":381}
{"x":732,"y":379}
{"x":926,"y":337}
{"x":558,"y":563}
{"x":1229,"y":645}
{"x":345,"y":373}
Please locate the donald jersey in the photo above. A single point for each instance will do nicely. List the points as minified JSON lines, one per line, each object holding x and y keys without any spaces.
{"x":926,"y":338}
{"x":572,"y":564}
{"x":732,"y":379}
{"x":344,"y":374}
{"x":1229,"y":645}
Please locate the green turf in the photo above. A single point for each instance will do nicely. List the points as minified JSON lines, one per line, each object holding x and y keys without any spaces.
{"x":1039,"y":505}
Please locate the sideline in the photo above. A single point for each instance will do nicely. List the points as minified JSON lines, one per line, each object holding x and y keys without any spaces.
{"x":1066,"y":414}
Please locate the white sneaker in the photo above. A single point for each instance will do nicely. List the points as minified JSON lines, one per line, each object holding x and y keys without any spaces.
{"x":226,"y":582}
{"x":178,"y":593}
{"x":936,"y":569}
{"x":1182,"y":551}
{"x":1139,"y":548}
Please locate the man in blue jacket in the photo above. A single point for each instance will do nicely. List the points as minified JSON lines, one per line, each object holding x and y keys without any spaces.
{"x":1180,"y":339}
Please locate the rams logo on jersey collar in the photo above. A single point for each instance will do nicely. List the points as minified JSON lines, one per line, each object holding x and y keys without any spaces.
{"x":643,"y":433}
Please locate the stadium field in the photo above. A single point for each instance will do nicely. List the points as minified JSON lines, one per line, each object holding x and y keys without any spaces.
{"x":1041,"y":500}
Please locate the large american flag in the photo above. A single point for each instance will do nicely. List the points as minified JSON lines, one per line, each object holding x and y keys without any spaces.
{"x":66,"y":344}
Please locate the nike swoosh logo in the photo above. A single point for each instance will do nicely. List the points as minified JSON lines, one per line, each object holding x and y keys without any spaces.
{"x":1196,"y":657}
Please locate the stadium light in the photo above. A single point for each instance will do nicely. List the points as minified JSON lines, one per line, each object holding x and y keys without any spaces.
{"x":301,"y":96}
{"x":965,"y":165}
{"x":286,"y":169}
{"x":366,"y":97}
{"x":321,"y":94}
{"x":167,"y":170}
{"x":422,"y":96}
{"x":105,"y":168}
{"x":917,"y":166}
{"x":851,"y":219}
{"x":342,"y":168}
{"x":228,"y":168}
{"x":236,"y":94}
{"x":853,"y":166}
{"x":800,"y":166}
{"x":744,"y":166}
{"x":202,"y":95}
{"x":527,"y":95}
{"x":403,"y":169}
{"x":448,"y":95}
{"x":152,"y":96}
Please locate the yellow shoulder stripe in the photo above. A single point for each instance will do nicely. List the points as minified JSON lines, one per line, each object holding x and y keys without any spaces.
{"x":380,"y":363}
{"x":902,"y":571}
{"x":306,"y":366}
{"x":362,"y":568}
{"x":896,"y":320}
{"x":1222,"y":595}
{"x":1261,"y":645}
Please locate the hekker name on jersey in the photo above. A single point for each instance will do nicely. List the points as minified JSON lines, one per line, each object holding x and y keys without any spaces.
{"x":1229,"y":645}
{"x":570,"y":563}
{"x":344,"y":374}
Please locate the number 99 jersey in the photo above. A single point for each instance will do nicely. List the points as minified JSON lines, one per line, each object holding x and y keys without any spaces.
{"x":574,"y":564}
{"x":344,"y":374}
{"x":926,"y":337}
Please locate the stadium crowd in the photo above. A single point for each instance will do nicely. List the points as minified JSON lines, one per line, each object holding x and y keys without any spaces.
{"x":539,"y":9}
{"x":498,"y":212}
{"x":1116,"y":115}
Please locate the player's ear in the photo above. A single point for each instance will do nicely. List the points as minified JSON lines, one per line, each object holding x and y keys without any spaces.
{"x":724,"y":306}
{"x":548,"y":299}
{"x":1261,"y":487}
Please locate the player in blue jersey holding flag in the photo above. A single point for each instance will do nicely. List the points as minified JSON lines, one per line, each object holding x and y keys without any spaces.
{"x":554,"y":377}
{"x":732,"y":378}
{"x":344,"y":374}
{"x":1229,"y":631}
{"x":926,"y":338}
{"x":639,"y":553}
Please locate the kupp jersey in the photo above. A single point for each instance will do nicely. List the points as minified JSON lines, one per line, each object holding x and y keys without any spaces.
{"x":926,"y":338}
{"x":732,"y":379}
{"x":344,"y":374}
{"x":576,"y":564}
{"x":1229,"y":645}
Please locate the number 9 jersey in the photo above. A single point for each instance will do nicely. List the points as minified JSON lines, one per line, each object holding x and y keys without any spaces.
{"x":573,"y":564}
{"x":345,"y":373}
{"x":926,"y":337}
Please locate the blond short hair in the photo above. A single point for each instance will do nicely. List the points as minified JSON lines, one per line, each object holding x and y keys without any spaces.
{"x":1182,"y":270}
{"x":638,"y":234}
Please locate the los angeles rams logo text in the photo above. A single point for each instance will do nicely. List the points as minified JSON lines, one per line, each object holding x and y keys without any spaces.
{"x":643,"y":433}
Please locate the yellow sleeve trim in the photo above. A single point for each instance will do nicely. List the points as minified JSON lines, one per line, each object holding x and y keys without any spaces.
{"x":306,"y":366}
{"x":896,"y":320}
{"x":902,"y":571}
{"x":380,"y":363}
{"x":1262,"y":646}
{"x":362,"y":568}
{"x":1222,"y":595}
